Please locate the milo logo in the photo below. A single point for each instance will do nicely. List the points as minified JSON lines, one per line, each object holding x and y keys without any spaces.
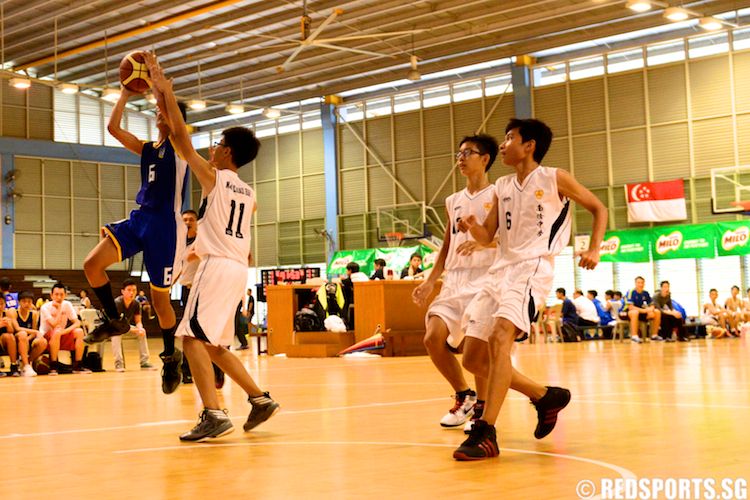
{"x":668,"y":242}
{"x":342,"y":261}
{"x":610,"y":246}
{"x":736,"y":238}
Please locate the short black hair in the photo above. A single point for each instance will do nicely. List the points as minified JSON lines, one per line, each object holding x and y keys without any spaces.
{"x":609,"y":293}
{"x":4,"y":283}
{"x":533,"y":129}
{"x":735,"y":286}
{"x":415,"y":254}
{"x":353,"y":267}
{"x":486,"y":144}
{"x":617,"y":292}
{"x":25,"y":295}
{"x":639,"y":278}
{"x":713,"y":290}
{"x":58,"y":285}
{"x":593,"y":292}
{"x":560,"y":290}
{"x":380,"y":262}
{"x":128,"y":282}
{"x":663,"y":283}
{"x":190,"y":211}
{"x":242,"y":143}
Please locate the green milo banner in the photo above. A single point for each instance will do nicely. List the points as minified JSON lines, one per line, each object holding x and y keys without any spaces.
{"x":395,"y":258}
{"x":695,"y":241}
{"x":362,"y":257}
{"x":733,"y":238}
{"x":625,"y":246}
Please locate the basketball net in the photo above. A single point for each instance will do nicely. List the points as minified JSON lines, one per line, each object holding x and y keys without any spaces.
{"x":394,"y":239}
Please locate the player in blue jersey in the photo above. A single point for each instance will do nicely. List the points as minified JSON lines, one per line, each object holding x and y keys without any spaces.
{"x":154,"y":228}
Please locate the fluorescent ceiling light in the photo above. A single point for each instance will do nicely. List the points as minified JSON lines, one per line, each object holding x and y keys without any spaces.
{"x":20,"y":83}
{"x":196,"y":104}
{"x":638,"y":5}
{"x":271,"y":113}
{"x":676,"y":14}
{"x":111,"y":95}
{"x":68,"y":88}
{"x":710,"y":23}
{"x":235,"y":109}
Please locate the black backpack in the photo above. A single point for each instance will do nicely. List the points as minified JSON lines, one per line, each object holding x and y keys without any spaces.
{"x":306,"y":320}
{"x":93,"y":361}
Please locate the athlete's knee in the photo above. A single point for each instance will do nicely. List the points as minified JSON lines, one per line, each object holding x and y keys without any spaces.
{"x":6,"y":338}
{"x":22,"y":335}
{"x":434,"y":340}
{"x":78,"y":333}
{"x":472,"y":363}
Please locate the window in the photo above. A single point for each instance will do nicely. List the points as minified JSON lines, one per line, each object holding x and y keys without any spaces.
{"x":311,"y":119}
{"x":600,"y":279}
{"x":90,"y":118}
{"x":463,"y":91}
{"x":564,"y":275}
{"x":586,"y":68}
{"x":202,"y":140}
{"x":623,"y":61}
{"x":665,"y":52}
{"x":65,"y":117}
{"x":708,"y":45}
{"x":436,"y":96}
{"x":351,"y":112}
{"x":683,"y":282}
{"x":626,"y":272}
{"x":289,"y":123}
{"x":406,"y":102}
{"x":720,"y":273}
{"x":741,"y":39}
{"x":547,"y":75}
{"x":378,"y":107}
{"x":497,"y":85}
{"x":265,"y":128}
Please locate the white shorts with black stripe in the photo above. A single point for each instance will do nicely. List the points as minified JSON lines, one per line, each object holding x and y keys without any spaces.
{"x":515,"y":292}
{"x":218,"y":287}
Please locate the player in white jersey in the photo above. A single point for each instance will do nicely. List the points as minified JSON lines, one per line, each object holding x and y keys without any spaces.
{"x":465,"y":263}
{"x":223,"y":245}
{"x":531,"y":216}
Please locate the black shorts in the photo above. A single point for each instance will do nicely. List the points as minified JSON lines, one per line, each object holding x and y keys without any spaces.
{"x":641,"y":317}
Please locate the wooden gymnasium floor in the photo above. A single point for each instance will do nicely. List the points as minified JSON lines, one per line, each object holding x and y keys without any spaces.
{"x":368,"y":428}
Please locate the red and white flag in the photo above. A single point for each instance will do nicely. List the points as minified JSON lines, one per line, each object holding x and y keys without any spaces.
{"x":656,"y":201}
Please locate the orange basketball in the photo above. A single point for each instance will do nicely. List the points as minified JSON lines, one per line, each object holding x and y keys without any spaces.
{"x":133,"y":72}
{"x":42,"y":365}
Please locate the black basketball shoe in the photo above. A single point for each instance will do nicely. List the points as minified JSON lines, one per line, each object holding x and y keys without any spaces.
{"x":481,"y":443}
{"x":547,"y":408}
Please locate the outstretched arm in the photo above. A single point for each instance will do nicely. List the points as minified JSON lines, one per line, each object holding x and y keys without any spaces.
{"x":131,"y":142}
{"x":165,"y":96}
{"x":571,"y":188}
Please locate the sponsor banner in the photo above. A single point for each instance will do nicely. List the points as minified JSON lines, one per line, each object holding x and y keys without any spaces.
{"x":362,"y":257}
{"x":733,"y":238}
{"x":626,"y":246}
{"x":694,"y":241}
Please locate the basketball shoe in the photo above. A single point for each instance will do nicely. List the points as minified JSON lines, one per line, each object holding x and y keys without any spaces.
{"x":481,"y":443}
{"x":462,"y":410}
{"x":212,"y":424}
{"x":478,"y":411}
{"x":171,"y":372}
{"x":263,"y":408}
{"x":547,"y":408}
{"x":107,"y":328}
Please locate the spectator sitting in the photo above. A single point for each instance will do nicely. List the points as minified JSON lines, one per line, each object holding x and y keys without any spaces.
{"x":569,"y":314}
{"x":11,"y":298}
{"x":639,"y":307}
{"x":586,"y":310}
{"x":30,"y":342}
{"x":605,"y":317}
{"x":85,"y":300}
{"x":145,"y":305}
{"x":613,"y":303}
{"x":379,"y":270}
{"x":671,"y":318}
{"x":714,"y":317}
{"x":413,"y":269}
{"x":7,"y":339}
{"x":130,"y":309}
{"x":62,"y":329}
{"x":735,"y":315}
{"x":347,"y":287}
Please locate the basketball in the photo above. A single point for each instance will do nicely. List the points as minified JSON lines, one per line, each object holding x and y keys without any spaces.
{"x":42,"y":365}
{"x":133,"y":72}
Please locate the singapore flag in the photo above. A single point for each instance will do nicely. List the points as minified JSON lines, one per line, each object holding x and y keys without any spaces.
{"x":656,"y":201}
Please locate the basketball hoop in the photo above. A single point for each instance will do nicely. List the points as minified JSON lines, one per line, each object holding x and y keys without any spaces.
{"x":394,"y":238}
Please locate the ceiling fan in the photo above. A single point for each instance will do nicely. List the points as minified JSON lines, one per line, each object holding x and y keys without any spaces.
{"x":311,"y":38}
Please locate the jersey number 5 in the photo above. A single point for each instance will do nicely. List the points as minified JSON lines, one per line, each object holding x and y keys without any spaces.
{"x":238,"y":232}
